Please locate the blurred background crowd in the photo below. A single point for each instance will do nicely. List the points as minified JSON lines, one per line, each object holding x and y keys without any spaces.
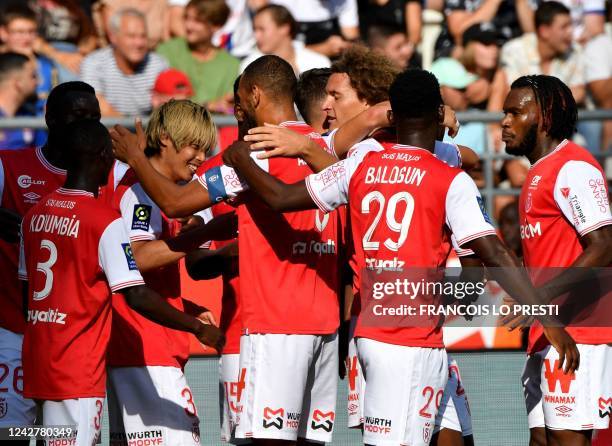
{"x":138,"y":54}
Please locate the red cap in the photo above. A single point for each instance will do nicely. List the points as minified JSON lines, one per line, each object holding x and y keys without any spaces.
{"x":172,"y":81}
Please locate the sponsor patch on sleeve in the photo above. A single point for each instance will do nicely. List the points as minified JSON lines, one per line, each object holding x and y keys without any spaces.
{"x":483,"y":209}
{"x":142,"y":217}
{"x":129,"y":256}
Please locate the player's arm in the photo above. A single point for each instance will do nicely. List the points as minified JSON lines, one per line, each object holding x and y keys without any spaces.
{"x":584,"y":184}
{"x":204,"y":264}
{"x":277,"y":195}
{"x":151,"y":305}
{"x":154,"y":254}
{"x":174,"y":200}
{"x":471,"y":226}
{"x":275,"y":140}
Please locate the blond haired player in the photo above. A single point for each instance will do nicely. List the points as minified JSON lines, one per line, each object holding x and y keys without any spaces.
{"x":148,"y":393}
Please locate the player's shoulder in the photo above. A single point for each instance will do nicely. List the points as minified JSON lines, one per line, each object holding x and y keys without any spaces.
{"x":23,"y":156}
{"x":566,"y":155}
{"x":364,"y":147}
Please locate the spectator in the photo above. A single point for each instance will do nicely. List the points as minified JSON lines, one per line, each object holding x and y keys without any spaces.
{"x":170,"y":84}
{"x":391,"y":41}
{"x":66,"y":32}
{"x":156,"y":13}
{"x":403,"y":14}
{"x":510,"y":18}
{"x":17,"y":84}
{"x":275,"y":30}
{"x":325,"y":27}
{"x":455,"y":81}
{"x":18,"y":32}
{"x":598,"y":61}
{"x":211,"y":69}
{"x":236,"y":35}
{"x":123,"y":73}
{"x":588,"y":17}
{"x":480,"y":56}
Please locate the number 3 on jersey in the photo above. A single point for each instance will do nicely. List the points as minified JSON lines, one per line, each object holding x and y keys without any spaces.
{"x":45,"y":268}
{"x":401,"y":226}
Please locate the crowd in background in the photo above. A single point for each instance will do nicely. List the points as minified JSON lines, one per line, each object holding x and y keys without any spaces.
{"x":137,"y":54}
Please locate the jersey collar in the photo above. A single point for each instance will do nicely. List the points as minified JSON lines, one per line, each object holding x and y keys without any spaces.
{"x":75,"y":192}
{"x":562,"y":144}
{"x":405,"y":147}
{"x":47,"y":164}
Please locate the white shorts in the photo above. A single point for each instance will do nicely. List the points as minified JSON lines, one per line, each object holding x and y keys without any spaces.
{"x":231,"y":384}
{"x":84,"y":413}
{"x":569,"y":402}
{"x":15,"y":410}
{"x":404,"y":390}
{"x":454,"y":412}
{"x":152,"y":402}
{"x":290,"y":386}
{"x":356,"y":383}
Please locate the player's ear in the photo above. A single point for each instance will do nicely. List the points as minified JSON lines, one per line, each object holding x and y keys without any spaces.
{"x":165,"y":142}
{"x":255,"y":96}
{"x":441,"y":114}
{"x":390,"y":117}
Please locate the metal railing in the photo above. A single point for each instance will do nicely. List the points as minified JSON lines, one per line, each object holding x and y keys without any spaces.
{"x":489,"y":191}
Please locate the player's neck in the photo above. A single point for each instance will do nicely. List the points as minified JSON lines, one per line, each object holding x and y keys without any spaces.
{"x":417,"y":137}
{"x":53,"y":152}
{"x":161,"y":167}
{"x":275,"y":113}
{"x":82,"y":181}
{"x":543,"y":147}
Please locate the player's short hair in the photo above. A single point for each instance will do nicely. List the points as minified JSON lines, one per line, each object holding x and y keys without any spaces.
{"x":547,"y":11}
{"x":10,"y":63}
{"x":58,"y":96}
{"x":415,"y":93}
{"x":371,"y":74}
{"x":378,"y":34}
{"x":281,"y":16}
{"x":558,"y":109}
{"x":16,"y":10}
{"x":273,"y":75}
{"x":184,"y":122}
{"x":215,"y":12}
{"x":84,"y":141}
{"x":311,"y":90}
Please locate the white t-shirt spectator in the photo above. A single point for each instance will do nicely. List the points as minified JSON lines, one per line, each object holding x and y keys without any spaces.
{"x":305,"y":59}
{"x":579,"y":8}
{"x":129,"y":94}
{"x":318,"y":11}
{"x":598,"y":58}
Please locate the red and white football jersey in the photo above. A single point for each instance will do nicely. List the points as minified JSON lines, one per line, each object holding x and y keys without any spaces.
{"x":135,"y":340}
{"x":75,"y":252}
{"x":564,"y":197}
{"x":25,"y":177}
{"x":288,"y":262}
{"x":230,"y":322}
{"x":435,"y":200}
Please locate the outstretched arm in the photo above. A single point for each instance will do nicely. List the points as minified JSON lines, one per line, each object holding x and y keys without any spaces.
{"x":277,"y":195}
{"x":172,"y":199}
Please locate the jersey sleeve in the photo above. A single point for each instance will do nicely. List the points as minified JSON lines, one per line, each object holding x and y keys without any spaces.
{"x":581,"y":193}
{"x":458,"y":250}
{"x":448,"y":153}
{"x":466,"y":215}
{"x":116,"y":259}
{"x":206,"y":215}
{"x":141,"y":216}
{"x":329,"y":188}
{"x":221,"y":181}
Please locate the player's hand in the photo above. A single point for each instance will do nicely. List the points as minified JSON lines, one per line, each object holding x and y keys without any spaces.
{"x":565,"y":346}
{"x":277,"y":141}
{"x":207,"y":317}
{"x":236,"y":151}
{"x":211,"y":335}
{"x":450,"y":121}
{"x":512,"y":321}
{"x":10,"y":224}
{"x":190,"y":223}
{"x":128,"y":146}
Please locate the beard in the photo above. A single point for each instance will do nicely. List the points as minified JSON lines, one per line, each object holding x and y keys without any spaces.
{"x":526,"y":145}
